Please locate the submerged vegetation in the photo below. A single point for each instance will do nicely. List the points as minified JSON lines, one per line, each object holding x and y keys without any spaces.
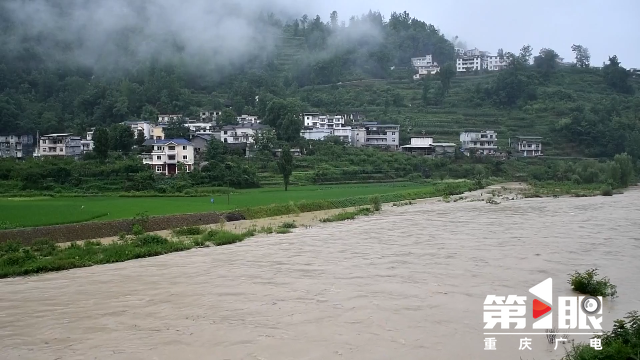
{"x":621,"y":343}
{"x":587,"y":283}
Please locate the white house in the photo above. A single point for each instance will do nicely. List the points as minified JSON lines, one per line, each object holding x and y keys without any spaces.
{"x":469,"y":63}
{"x":165,"y":119}
{"x":424,"y":66}
{"x":87,"y":145}
{"x":207,"y":116}
{"x":315,"y":134}
{"x":166,"y":155}
{"x":139,"y":126}
{"x":527,"y":145}
{"x":381,"y":135}
{"x":422,"y":145}
{"x":315,"y":120}
{"x":248,"y":119}
{"x":496,"y":63}
{"x":483,"y":142}
{"x":242,"y":133}
{"x":59,"y":145}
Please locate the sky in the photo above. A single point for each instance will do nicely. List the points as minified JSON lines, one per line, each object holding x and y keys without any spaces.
{"x":605,"y":27}
{"x":225,"y":31}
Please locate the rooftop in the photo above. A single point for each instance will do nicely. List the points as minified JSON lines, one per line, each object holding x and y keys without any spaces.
{"x":166,"y":141}
{"x":57,"y":135}
{"x":246,"y":126}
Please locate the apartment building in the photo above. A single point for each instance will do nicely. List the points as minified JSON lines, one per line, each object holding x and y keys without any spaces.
{"x":495,"y":63}
{"x":16,"y":146}
{"x":482,"y":142}
{"x":527,"y":145}
{"x":241,"y":133}
{"x":474,"y":59}
{"x":59,"y":145}
{"x":166,"y":156}
{"x":424,"y":66}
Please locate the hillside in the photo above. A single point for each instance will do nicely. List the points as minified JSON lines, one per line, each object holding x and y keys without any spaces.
{"x":329,"y":68}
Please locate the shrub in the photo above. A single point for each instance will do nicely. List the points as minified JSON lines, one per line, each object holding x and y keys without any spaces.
{"x":347,"y":215}
{"x":623,"y":342}
{"x":188,"y":231}
{"x":606,"y":191}
{"x":222,"y":237}
{"x":376,"y":203}
{"x":137,"y":230}
{"x":586,"y":283}
{"x":289,"y":225}
{"x":149,"y":240}
{"x":282,"y":230}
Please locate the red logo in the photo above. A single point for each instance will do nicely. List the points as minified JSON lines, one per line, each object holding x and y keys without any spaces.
{"x":540,"y":308}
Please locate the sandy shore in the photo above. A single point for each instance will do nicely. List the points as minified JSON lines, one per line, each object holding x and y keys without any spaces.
{"x":500,"y":192}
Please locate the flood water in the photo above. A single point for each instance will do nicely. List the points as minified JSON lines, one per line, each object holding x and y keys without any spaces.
{"x":405,"y":284}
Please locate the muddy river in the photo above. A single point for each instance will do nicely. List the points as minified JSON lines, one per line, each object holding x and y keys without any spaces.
{"x":408,"y":283}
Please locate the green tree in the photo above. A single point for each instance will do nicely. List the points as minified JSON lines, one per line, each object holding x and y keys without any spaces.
{"x":121,"y":138}
{"x":447,"y":73}
{"x":140,"y":138}
{"x":101,"y":143}
{"x":265,"y":140}
{"x":216,"y":151}
{"x":525,"y":54}
{"x":426,"y":88}
{"x":616,"y":76}
{"x":285,"y":165}
{"x":176,"y":129}
{"x":583,"y":57}
{"x":284,"y":117}
{"x":228,"y":117}
{"x":625,"y":163}
{"x":546,"y":62}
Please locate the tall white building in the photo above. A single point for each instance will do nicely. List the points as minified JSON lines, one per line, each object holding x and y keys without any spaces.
{"x":495,"y":62}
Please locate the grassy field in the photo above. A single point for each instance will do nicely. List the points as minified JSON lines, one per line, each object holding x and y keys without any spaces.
{"x":54,"y":211}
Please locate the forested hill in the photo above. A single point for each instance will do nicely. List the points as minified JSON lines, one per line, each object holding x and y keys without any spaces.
{"x":73,"y":75}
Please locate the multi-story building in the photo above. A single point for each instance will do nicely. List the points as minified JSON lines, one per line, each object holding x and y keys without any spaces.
{"x":420,"y":145}
{"x":165,"y":119}
{"x":208,"y":116}
{"x":379,"y":135}
{"x":527,"y":145}
{"x":59,"y":145}
{"x":157,"y":132}
{"x":167,"y":156}
{"x":248,"y":119}
{"x":16,"y":146}
{"x":495,"y":62}
{"x":317,"y":121}
{"x":482,"y":142}
{"x":200,"y":127}
{"x":469,"y":63}
{"x":424,"y":66}
{"x":139,"y":126}
{"x":242,"y":133}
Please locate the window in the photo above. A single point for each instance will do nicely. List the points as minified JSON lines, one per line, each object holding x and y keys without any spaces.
{"x":159,"y":157}
{"x":184,"y":157}
{"x":184,"y":148}
{"x":172,"y":148}
{"x":393,"y":133}
{"x":171,"y":157}
{"x":393,"y":139}
{"x":159,"y":168}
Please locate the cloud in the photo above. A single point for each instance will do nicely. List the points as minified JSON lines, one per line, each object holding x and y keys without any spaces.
{"x":123,"y":31}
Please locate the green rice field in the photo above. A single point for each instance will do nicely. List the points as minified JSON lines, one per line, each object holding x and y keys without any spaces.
{"x":29,"y":212}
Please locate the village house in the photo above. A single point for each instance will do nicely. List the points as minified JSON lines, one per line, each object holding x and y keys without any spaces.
{"x":424,"y":145}
{"x":480,"y":142}
{"x":424,"y":66}
{"x":241,"y":133}
{"x":139,"y":126}
{"x":209,"y":116}
{"x":420,"y":145}
{"x":157,"y":132}
{"x":59,"y":145}
{"x":165,"y":119}
{"x":381,"y":135}
{"x":248,"y":119}
{"x":16,"y":146}
{"x":167,"y":156}
{"x":527,"y":145}
{"x":200,"y":144}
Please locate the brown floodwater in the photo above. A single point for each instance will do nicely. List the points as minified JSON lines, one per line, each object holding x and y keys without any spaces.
{"x":408,"y":283}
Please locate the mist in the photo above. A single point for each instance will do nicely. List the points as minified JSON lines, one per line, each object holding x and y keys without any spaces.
{"x":122,"y":33}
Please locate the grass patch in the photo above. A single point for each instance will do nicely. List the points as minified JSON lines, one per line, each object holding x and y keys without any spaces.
{"x":289,"y":225}
{"x":188,"y":231}
{"x":623,"y":342}
{"x":282,"y":230}
{"x":348,"y":215}
{"x":588,"y":284}
{"x":222,"y":237}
